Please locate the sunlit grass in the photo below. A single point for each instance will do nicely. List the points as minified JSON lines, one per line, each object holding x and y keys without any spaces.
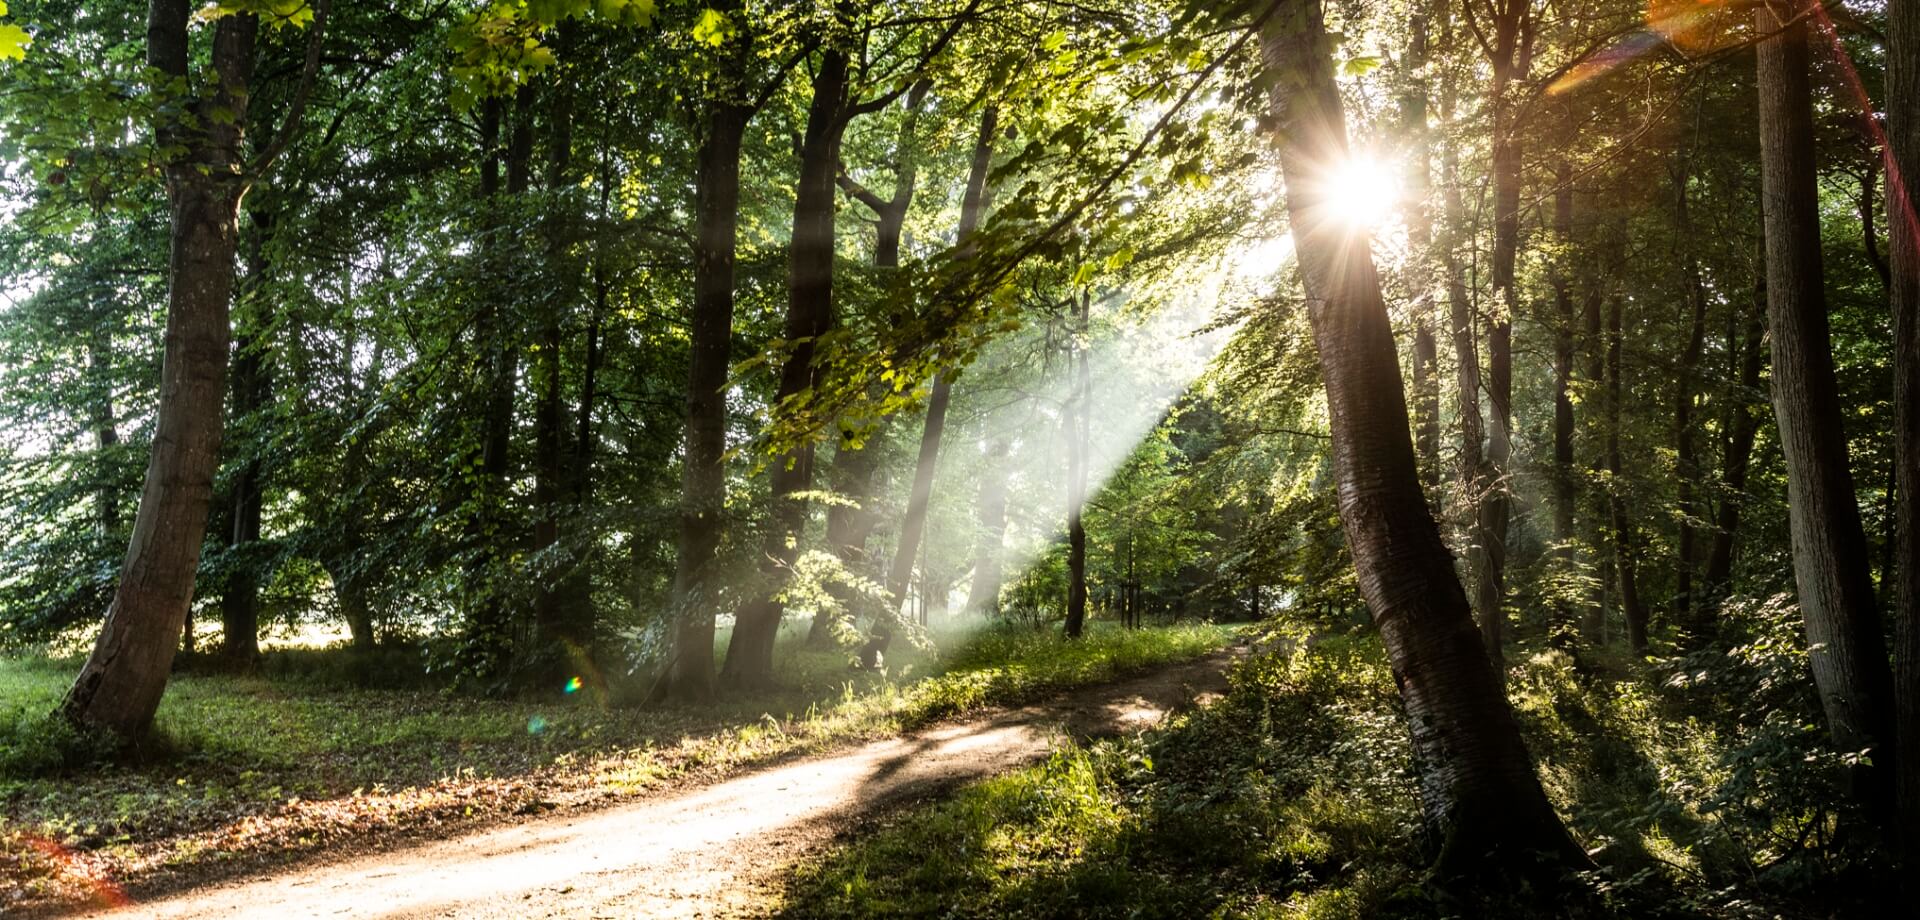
{"x":286,"y":762}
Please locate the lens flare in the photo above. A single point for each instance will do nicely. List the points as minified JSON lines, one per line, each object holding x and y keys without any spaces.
{"x":1360,"y":192}
{"x":536,"y":725}
{"x":573,"y":685}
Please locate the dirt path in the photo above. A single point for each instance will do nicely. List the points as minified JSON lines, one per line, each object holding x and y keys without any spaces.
{"x":707,"y":852}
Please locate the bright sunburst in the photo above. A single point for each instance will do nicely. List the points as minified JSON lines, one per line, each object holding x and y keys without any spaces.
{"x":1361,"y":193}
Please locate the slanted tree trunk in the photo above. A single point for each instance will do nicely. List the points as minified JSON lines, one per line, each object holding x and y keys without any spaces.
{"x":1903,"y":239}
{"x":1847,"y":650}
{"x":749,"y":661}
{"x":119,"y":687}
{"x":914,"y":523}
{"x":703,"y":484}
{"x":1479,"y":794}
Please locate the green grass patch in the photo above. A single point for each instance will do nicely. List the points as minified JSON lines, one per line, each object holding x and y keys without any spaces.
{"x":296,"y":755}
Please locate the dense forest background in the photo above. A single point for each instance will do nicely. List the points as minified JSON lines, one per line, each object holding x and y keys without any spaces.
{"x":565,"y":343}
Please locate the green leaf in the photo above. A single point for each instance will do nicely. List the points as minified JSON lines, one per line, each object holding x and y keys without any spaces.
{"x":714,"y":28}
{"x":13,"y":42}
{"x":1359,"y":66}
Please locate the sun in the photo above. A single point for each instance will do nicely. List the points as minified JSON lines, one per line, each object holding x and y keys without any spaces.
{"x":1361,"y":193}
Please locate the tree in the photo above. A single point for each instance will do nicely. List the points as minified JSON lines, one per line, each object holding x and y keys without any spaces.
{"x":119,"y":687}
{"x":1903,"y":223}
{"x":1829,"y":547}
{"x":1479,"y":793}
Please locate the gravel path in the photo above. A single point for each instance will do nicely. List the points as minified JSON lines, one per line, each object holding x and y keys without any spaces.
{"x":705,"y":852}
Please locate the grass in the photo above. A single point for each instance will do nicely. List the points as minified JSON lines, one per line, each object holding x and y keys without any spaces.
{"x":1294,"y":797}
{"x":290,"y":761}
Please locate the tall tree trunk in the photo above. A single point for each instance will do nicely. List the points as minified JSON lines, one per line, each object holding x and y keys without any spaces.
{"x":1846,"y":647}
{"x":119,"y":687}
{"x":106,"y":434}
{"x":1626,"y":547}
{"x":983,"y":593}
{"x":1511,"y":53}
{"x":749,"y":661}
{"x":1903,"y":238}
{"x":914,"y":523}
{"x":1077,"y":463}
{"x":850,"y":521}
{"x":1595,"y":625}
{"x":1564,"y":487}
{"x":252,"y":387}
{"x":703,"y":483}
{"x":1479,"y":793}
{"x":563,"y":628}
{"x":1426,"y":385}
{"x":1686,"y":456}
{"x":1742,"y":425}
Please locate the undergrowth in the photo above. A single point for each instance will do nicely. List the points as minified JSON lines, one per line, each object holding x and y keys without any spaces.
{"x":1700,"y":784}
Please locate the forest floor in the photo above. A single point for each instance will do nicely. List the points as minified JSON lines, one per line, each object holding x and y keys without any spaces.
{"x":289,"y":765}
{"x":704,"y":852}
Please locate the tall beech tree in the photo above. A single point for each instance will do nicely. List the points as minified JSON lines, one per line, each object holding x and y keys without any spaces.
{"x":1478,"y":791}
{"x":1830,"y":558}
{"x":119,"y":687}
{"x":1903,"y":224}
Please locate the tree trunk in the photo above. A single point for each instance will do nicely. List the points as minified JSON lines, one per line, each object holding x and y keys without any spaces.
{"x":703,"y":482}
{"x":1564,"y":494}
{"x":983,"y":593}
{"x":749,"y":663}
{"x":1686,"y":457}
{"x":1426,"y":384}
{"x":106,"y":434}
{"x":119,"y":687}
{"x":1742,"y":425}
{"x":1903,"y":240}
{"x":1626,"y":548}
{"x":1510,"y":55}
{"x":913,"y":524}
{"x":1479,"y":794}
{"x":1077,"y":463}
{"x":1847,"y":649}
{"x":850,"y":522}
{"x":563,"y":623}
{"x":252,"y":387}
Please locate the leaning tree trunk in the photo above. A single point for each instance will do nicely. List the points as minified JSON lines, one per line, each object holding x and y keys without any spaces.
{"x":1903,"y":221}
{"x":1479,"y":793}
{"x":913,"y":524}
{"x":703,"y":474}
{"x":1847,"y":650}
{"x":749,"y":661}
{"x":119,"y":687}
